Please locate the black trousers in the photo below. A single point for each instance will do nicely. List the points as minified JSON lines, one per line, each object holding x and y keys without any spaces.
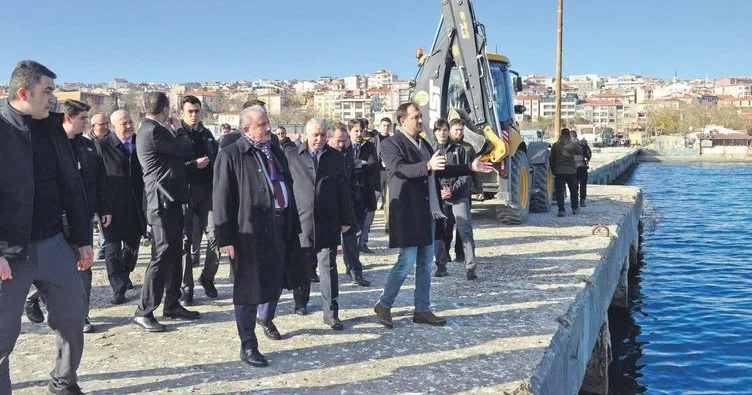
{"x":200,"y":208}
{"x":561,"y":181}
{"x":351,"y":248}
{"x":165,"y":269}
{"x":120,"y":257}
{"x":582,"y":177}
{"x":329,"y":282}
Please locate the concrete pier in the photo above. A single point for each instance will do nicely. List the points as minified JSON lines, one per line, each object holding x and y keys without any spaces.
{"x":534,"y":322}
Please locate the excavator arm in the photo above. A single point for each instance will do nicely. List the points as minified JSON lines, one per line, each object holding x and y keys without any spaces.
{"x":454,"y":80}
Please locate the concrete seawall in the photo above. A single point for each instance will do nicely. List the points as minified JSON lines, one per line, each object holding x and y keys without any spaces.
{"x":613,"y":168}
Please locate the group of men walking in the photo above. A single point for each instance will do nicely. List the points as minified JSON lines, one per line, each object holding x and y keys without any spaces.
{"x":278,"y":210}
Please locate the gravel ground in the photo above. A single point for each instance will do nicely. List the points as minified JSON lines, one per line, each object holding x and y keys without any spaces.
{"x":499,"y":325}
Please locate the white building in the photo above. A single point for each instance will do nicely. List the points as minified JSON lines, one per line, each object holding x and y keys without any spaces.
{"x":355,"y":82}
{"x":381,"y":78}
{"x":347,"y":108}
{"x":209,"y":100}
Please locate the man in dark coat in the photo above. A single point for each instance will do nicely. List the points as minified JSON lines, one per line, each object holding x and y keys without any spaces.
{"x":413,"y":170}
{"x":325,"y":210}
{"x":582,"y":160}
{"x":564,"y":167}
{"x":367,"y":177}
{"x":284,"y":142}
{"x":39,"y":181}
{"x":339,"y":140}
{"x":162,"y":153}
{"x":75,"y":117}
{"x":125,"y":195}
{"x":199,"y":171}
{"x":257,"y":227}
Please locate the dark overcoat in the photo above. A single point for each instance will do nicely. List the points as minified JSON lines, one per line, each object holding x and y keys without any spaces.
{"x":367,"y":174}
{"x":322,"y":196}
{"x":124,"y":188}
{"x":243,"y":206}
{"x":409,"y":209}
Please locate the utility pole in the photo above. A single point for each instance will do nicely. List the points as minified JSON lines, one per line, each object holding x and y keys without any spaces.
{"x":557,"y":116}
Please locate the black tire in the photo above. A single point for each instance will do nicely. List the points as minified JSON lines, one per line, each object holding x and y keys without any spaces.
{"x":516,"y":212}
{"x":543,"y":189}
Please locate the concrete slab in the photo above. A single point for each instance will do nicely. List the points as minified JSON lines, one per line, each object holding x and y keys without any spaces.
{"x":528,"y":325}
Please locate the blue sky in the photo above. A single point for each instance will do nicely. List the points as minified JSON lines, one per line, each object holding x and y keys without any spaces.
{"x":188,"y":40}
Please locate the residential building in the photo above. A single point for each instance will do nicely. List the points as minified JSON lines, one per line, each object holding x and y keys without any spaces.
{"x":602,"y":113}
{"x":736,"y":90}
{"x":400,"y":93}
{"x":568,"y":106}
{"x":93,"y":99}
{"x":230,"y":118}
{"x":532,"y":108}
{"x":355,"y":82}
{"x":380,"y":99}
{"x":323,"y":103}
{"x":273,"y":103}
{"x":625,"y":81}
{"x":671,"y":90}
{"x":738,"y":102}
{"x":380,"y":79}
{"x":350,"y":106}
{"x":587,"y":82}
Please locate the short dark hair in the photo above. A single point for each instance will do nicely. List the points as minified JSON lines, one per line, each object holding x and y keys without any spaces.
{"x":281,"y":127}
{"x":355,"y":121}
{"x":225,"y":126}
{"x":386,"y":119}
{"x":565,"y":132}
{"x":72,"y":108}
{"x":365,"y":122}
{"x":254,"y":102}
{"x":27,"y":75}
{"x":155,"y":102}
{"x":440,"y":123}
{"x":190,"y":99}
{"x":457,"y":121}
{"x":402,"y":111}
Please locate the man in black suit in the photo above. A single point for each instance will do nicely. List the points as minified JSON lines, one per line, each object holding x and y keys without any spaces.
{"x":323,"y":201}
{"x":364,"y":183}
{"x":162,"y":153}
{"x":257,"y":228}
{"x":414,"y":205}
{"x":199,"y":171}
{"x":125,"y":196}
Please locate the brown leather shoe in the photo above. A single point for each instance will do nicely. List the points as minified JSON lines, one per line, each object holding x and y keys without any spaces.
{"x":428,"y":318}
{"x":383,"y":315}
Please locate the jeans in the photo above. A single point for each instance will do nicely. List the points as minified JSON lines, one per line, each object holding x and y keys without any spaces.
{"x":419,"y":257}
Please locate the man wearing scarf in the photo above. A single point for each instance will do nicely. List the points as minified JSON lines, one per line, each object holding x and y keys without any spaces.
{"x":257,"y":227}
{"x":413,"y":168}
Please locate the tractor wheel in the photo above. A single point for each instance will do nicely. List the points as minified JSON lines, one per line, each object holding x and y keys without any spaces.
{"x":516,"y":212}
{"x":543,"y":189}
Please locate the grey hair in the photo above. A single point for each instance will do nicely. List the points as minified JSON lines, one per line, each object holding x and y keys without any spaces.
{"x":313,"y":122}
{"x":245,"y":115}
{"x":335,"y":127}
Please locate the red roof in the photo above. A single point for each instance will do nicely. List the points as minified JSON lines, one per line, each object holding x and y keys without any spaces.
{"x":526,"y":97}
{"x":600,"y":103}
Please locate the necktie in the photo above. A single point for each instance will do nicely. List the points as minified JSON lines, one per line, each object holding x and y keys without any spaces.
{"x":357,"y":150}
{"x":314,"y":156}
{"x":127,"y":145}
{"x":279,"y":197}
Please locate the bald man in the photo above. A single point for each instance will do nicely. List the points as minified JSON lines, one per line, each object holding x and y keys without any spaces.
{"x":125,"y":190}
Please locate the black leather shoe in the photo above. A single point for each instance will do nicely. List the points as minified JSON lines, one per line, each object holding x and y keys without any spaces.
{"x":69,"y":390}
{"x":358,"y":279}
{"x":34,"y":312}
{"x":441,"y":271}
{"x":335,"y":324}
{"x":301,"y":310}
{"x":209,"y":289}
{"x":366,"y":250}
{"x":471,"y":274}
{"x":582,"y":203}
{"x":186,"y":297}
{"x":88,"y":327}
{"x":315,"y":278}
{"x":117,"y":299}
{"x":150,"y":324}
{"x":181,"y":313}
{"x":270,"y":330}
{"x":253,"y":357}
